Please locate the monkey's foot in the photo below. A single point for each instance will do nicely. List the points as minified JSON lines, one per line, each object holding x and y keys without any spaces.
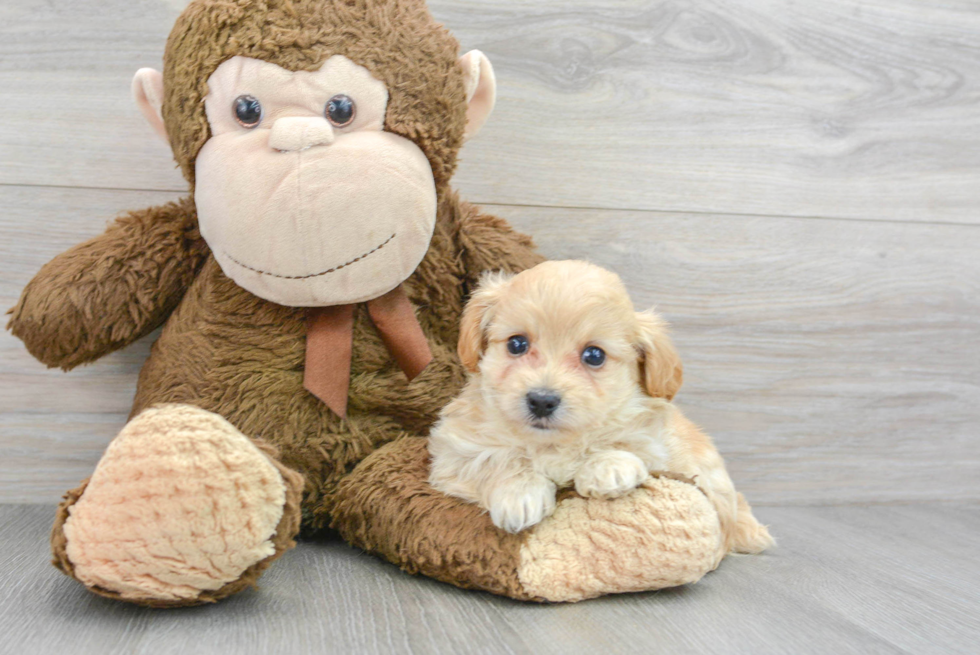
{"x":663,"y":534}
{"x":182,"y":509}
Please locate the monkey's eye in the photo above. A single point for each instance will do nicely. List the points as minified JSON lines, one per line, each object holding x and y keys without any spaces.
{"x":517,"y":345}
{"x":340,"y":110}
{"x":593,"y":356}
{"x":248,"y":111}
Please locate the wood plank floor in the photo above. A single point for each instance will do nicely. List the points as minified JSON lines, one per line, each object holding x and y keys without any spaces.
{"x":835,"y":360}
{"x":832,"y":360}
{"x":843,"y":580}
{"x":794,"y":185}
{"x":843,"y":108}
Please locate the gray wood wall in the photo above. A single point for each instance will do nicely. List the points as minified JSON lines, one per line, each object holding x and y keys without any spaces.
{"x":796,"y":186}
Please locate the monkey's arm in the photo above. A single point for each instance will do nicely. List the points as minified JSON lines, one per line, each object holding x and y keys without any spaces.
{"x":489,"y":243}
{"x":106,"y":293}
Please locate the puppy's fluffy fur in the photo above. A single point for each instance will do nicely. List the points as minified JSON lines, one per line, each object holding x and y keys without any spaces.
{"x":613,"y":423}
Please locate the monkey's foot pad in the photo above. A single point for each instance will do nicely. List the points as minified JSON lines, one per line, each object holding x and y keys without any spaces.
{"x":663,"y":534}
{"x":182,"y":509}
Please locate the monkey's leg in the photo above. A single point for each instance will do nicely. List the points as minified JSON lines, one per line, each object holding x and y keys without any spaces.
{"x":663,"y":534}
{"x":182,"y":509}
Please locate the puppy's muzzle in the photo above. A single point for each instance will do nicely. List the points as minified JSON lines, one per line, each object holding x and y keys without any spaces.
{"x":542,"y":403}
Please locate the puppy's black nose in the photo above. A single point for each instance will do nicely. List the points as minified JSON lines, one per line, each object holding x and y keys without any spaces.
{"x":543,"y":403}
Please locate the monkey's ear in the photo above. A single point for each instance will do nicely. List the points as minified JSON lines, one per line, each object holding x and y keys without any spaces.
{"x":481,"y":90}
{"x":476,"y":318}
{"x":148,"y":93}
{"x":661,"y":371}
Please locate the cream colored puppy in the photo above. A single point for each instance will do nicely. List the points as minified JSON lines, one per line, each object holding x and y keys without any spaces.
{"x":570,"y":385}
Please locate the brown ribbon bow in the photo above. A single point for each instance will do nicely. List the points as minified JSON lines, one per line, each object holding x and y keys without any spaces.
{"x":329,"y":336}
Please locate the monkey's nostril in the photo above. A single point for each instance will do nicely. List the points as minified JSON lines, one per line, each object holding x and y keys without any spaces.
{"x":543,"y":403}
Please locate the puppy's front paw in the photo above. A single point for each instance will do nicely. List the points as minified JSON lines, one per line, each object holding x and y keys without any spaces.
{"x":610,"y":474}
{"x":517,"y":505}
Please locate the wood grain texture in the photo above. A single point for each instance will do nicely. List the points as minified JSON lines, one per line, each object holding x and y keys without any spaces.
{"x":833,"y":361}
{"x":840,"y":108}
{"x":55,"y":426}
{"x":843,"y":580}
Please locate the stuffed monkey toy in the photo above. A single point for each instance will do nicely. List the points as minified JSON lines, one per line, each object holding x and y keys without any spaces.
{"x":309,"y":289}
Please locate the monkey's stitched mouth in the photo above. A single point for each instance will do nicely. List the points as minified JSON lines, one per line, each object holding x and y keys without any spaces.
{"x":321,"y":273}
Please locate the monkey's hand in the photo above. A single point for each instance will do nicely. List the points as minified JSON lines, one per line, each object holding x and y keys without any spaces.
{"x":106,"y":293}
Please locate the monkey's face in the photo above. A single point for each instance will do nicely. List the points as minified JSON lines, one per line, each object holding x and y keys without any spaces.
{"x":303,"y":197}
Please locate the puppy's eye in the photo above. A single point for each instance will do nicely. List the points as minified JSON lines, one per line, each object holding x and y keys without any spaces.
{"x":248,"y":111}
{"x":593,"y":356}
{"x":517,"y":345}
{"x":340,"y":110}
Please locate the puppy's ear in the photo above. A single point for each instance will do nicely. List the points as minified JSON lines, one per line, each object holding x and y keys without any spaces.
{"x":476,"y":318}
{"x":661,"y":371}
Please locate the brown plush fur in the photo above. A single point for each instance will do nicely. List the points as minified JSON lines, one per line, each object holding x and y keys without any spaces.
{"x":668,"y":528}
{"x":386,"y":504}
{"x":396,"y":40}
{"x":234,"y":354}
{"x":241,"y":357}
{"x":227,"y":351}
{"x":108,"y":292}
